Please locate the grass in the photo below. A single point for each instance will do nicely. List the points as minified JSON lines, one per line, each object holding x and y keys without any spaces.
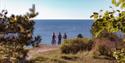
{"x":56,"y":56}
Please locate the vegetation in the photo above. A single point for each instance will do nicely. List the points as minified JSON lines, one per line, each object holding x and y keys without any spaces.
{"x":79,"y":36}
{"x":120,"y":55}
{"x":107,"y":22}
{"x":110,"y":23}
{"x":56,"y":56}
{"x":105,"y":41}
{"x":76,"y":45}
{"x":15,"y":35}
{"x":120,"y":3}
{"x":103,"y":48}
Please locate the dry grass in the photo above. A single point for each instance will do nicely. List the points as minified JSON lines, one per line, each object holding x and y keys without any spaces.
{"x":55,"y":56}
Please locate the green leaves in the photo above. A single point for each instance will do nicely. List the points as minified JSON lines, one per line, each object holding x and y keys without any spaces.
{"x":108,"y":22}
{"x":111,"y":23}
{"x":120,"y":3}
{"x":95,"y":15}
{"x":120,"y":55}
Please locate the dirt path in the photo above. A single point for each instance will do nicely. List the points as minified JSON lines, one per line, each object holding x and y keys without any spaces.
{"x":41,"y":49}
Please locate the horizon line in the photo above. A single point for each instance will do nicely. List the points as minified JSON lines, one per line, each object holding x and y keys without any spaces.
{"x":62,"y":19}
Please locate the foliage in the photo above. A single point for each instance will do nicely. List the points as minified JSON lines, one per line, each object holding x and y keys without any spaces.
{"x":75,"y":45}
{"x":110,"y":22}
{"x":15,"y":35}
{"x":36,"y":41}
{"x":120,"y":55}
{"x":120,"y":3}
{"x":109,"y":36}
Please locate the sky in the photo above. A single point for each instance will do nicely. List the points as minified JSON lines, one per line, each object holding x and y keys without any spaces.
{"x":56,"y":9}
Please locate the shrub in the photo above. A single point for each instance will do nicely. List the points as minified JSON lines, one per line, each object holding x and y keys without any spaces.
{"x":105,"y":51}
{"x":119,"y":55}
{"x":79,"y":36}
{"x":103,"y":47}
{"x":75,"y":45}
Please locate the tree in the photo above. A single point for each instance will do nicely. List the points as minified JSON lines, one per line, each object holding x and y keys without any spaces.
{"x":16,"y":34}
{"x":109,"y":22}
{"x":105,"y":22}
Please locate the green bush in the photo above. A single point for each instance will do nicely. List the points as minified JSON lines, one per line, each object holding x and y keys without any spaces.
{"x":119,"y":55}
{"x":75,"y":45}
{"x":119,"y":52}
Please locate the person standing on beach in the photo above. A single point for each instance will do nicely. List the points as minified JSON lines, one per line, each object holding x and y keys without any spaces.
{"x":65,"y":36}
{"x":59,"y":38}
{"x":53,"y":38}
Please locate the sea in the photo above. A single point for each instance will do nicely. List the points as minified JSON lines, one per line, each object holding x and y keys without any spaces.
{"x":72,"y":28}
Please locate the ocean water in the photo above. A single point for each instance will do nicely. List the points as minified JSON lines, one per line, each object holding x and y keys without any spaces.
{"x":45,"y":28}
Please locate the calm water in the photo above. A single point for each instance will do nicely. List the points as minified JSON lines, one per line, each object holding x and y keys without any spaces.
{"x":45,"y":28}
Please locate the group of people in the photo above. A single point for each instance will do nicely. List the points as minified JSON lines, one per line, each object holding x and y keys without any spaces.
{"x":60,"y":37}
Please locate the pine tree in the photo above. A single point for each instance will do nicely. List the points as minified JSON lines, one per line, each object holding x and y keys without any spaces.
{"x":16,"y":33}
